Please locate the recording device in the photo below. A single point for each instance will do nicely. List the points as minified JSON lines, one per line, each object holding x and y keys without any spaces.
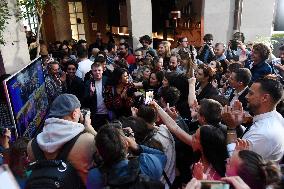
{"x":234,"y":44}
{"x":209,"y":184}
{"x":149,"y":97}
{"x":85,"y":112}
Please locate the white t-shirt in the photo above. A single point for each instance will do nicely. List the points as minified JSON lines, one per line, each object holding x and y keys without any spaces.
{"x":266,"y":135}
{"x":83,"y":67}
{"x":101,"y":108}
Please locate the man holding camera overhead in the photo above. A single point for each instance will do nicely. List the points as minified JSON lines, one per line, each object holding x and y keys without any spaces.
{"x":206,"y":52}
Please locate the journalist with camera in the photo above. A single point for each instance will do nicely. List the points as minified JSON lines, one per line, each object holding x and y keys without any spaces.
{"x":206,"y":52}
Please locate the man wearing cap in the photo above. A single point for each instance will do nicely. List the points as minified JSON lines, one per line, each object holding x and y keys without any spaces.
{"x":60,"y":127}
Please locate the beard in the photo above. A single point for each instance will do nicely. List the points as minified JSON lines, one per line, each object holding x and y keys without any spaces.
{"x":253,"y":107}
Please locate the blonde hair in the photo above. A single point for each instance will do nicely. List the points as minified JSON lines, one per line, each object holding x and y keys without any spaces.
{"x":167,"y":46}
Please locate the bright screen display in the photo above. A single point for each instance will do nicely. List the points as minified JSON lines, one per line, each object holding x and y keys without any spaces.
{"x":27,"y":98}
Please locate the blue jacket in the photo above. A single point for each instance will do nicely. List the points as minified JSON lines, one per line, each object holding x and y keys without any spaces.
{"x":259,"y":70}
{"x":152,"y":163}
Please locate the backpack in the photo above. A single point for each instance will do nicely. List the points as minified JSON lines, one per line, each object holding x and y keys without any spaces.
{"x":133,"y":180}
{"x":57,"y":173}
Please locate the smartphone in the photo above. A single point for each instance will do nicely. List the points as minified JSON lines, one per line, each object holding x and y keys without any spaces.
{"x":8,"y":178}
{"x":210,"y":184}
{"x":149,"y":97}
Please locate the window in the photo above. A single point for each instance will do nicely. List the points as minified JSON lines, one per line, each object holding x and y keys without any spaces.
{"x":77,"y":20}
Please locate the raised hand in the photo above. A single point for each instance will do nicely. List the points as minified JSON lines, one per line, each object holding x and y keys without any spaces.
{"x":134,"y":111}
{"x":242,"y":144}
{"x":233,"y":116}
{"x":198,"y":171}
{"x":172,"y":112}
{"x":92,"y":88}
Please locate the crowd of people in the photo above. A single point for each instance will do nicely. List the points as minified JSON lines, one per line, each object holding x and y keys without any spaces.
{"x":173,"y":117}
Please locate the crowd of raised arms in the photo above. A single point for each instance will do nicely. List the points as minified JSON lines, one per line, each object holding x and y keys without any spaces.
{"x":169,"y":117}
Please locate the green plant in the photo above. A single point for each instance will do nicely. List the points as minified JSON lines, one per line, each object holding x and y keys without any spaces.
{"x":29,"y":8}
{"x":269,"y":41}
{"x":4,"y":18}
{"x":278,"y":36}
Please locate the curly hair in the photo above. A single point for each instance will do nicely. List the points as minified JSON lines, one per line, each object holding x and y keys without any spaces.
{"x":146,"y":38}
{"x":207,"y":71}
{"x":262,"y":49}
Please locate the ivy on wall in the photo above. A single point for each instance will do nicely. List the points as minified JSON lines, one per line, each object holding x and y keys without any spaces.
{"x":4,"y":18}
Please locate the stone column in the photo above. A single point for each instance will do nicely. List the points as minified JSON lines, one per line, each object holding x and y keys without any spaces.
{"x":139,"y":14}
{"x":61,"y":20}
{"x":218,"y":19}
{"x":257,"y":18}
{"x":15,"y":52}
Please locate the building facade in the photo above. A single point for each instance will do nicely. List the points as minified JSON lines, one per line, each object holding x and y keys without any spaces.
{"x":161,"y":19}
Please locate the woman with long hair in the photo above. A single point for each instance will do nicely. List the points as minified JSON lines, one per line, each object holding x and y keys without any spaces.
{"x":164,"y":51}
{"x":209,"y":141}
{"x":211,"y":144}
{"x":119,"y":94}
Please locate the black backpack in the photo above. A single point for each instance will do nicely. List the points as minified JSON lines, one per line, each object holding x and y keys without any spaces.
{"x":133,"y":180}
{"x":53,"y":174}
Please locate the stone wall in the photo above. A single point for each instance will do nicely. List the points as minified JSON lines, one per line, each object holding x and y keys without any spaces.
{"x":15,"y":52}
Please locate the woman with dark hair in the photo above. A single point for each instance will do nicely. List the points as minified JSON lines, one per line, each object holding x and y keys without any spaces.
{"x":218,"y":70}
{"x":156,"y":137}
{"x":253,"y":169}
{"x":119,"y":94}
{"x":153,"y":83}
{"x":204,"y":76}
{"x":180,"y":82}
{"x":211,"y":143}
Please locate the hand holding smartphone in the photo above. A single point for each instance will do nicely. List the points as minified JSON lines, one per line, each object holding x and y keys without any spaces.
{"x":149,"y":97}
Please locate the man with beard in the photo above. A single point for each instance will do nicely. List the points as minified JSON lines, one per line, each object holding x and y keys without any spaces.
{"x":74,"y":84}
{"x":265,"y":134}
{"x":146,"y":42}
{"x":124,"y":53}
{"x":219,"y":51}
{"x":174,"y":64}
{"x":55,"y":81}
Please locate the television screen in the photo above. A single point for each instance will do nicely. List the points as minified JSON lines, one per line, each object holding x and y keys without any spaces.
{"x":27,"y":98}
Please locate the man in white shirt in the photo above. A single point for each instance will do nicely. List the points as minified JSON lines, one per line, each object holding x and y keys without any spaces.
{"x":266,"y":133}
{"x":85,"y":64}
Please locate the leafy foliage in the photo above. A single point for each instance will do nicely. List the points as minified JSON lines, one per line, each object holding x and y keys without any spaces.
{"x":4,"y":17}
